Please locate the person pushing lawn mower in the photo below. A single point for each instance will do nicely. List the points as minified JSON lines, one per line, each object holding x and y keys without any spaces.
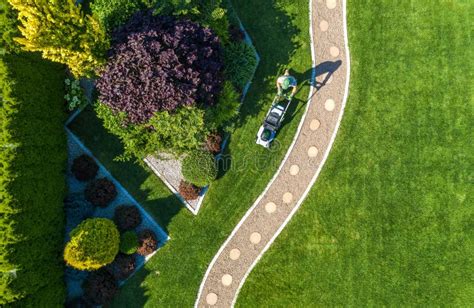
{"x":267,"y":132}
{"x":285,"y":83}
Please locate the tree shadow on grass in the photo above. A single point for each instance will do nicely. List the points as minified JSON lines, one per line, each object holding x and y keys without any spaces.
{"x":275,"y":44}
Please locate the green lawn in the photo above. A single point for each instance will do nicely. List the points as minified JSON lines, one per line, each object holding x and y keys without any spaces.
{"x":279,"y":29}
{"x":390,"y":220}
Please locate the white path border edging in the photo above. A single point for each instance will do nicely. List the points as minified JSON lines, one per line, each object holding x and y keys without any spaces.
{"x":313,"y":180}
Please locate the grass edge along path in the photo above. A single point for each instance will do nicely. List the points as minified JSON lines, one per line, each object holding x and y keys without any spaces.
{"x":389,"y":221}
{"x":173,"y":276}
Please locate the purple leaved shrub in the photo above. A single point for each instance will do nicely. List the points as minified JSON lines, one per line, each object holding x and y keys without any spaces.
{"x":160,"y":63}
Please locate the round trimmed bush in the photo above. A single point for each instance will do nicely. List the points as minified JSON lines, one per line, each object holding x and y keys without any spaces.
{"x":128,"y":243}
{"x":147,"y":242}
{"x":123,"y":266}
{"x":84,"y":168}
{"x":100,"y":287}
{"x":188,"y":191}
{"x":94,"y":243}
{"x":199,"y":168}
{"x":159,"y":63}
{"x":127,"y":217}
{"x":101,"y":192}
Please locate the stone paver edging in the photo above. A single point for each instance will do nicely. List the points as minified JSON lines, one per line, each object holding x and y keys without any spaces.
{"x":301,"y":166}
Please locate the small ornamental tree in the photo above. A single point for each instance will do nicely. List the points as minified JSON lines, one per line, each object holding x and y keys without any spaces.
{"x":199,"y":168}
{"x":84,"y":168}
{"x":188,"y":191}
{"x":240,"y":63}
{"x":100,"y":287}
{"x":159,"y":63}
{"x":128,"y":243}
{"x":127,"y":217}
{"x":147,"y":242}
{"x":94,"y":243}
{"x":101,"y":192}
{"x":213,"y":143}
{"x":61,"y":32}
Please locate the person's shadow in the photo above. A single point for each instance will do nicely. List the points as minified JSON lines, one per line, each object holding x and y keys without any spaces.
{"x":323,"y":73}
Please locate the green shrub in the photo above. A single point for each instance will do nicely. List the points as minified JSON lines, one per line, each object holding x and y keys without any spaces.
{"x":199,"y":168}
{"x":240,"y":63}
{"x":94,"y":244}
{"x":33,"y":158}
{"x":175,"y":133}
{"x":114,"y":13}
{"x":226,"y":109}
{"x":128,"y":242}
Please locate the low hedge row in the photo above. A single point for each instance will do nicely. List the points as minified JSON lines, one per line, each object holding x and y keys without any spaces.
{"x":32,"y":181}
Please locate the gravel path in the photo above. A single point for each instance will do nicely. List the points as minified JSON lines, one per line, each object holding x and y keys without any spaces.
{"x":303,"y":162}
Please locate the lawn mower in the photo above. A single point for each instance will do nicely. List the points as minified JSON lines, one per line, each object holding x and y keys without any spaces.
{"x":267,"y":132}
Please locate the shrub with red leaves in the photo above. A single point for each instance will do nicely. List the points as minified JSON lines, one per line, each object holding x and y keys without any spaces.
{"x":123,"y":266}
{"x":188,"y":191}
{"x":101,"y":192}
{"x":213,"y":143}
{"x":127,"y":217}
{"x":100,"y":287}
{"x":84,"y":168}
{"x":147,"y":242}
{"x":160,"y":63}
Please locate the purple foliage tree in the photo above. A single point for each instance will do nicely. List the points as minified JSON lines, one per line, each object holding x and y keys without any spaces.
{"x":160,"y":63}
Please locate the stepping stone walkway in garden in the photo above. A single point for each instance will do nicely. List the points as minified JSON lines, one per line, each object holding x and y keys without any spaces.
{"x":277,"y":204}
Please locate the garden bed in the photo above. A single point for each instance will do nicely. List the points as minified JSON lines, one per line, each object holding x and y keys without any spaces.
{"x":168,"y":168}
{"x":75,"y":279}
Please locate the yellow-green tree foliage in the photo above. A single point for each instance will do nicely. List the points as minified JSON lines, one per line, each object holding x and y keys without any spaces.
{"x":62,"y":33}
{"x":94,"y":243}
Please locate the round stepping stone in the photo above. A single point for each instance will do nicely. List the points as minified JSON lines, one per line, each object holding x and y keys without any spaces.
{"x":294,"y":169}
{"x":226,"y":280}
{"x":270,"y":207}
{"x":211,"y":299}
{"x":255,"y":238}
{"x":287,"y":197}
{"x":234,"y":254}
{"x":329,"y":105}
{"x":324,"y":26}
{"x":312,"y":152}
{"x":334,"y":51}
{"x":331,"y":4}
{"x":314,"y":125}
